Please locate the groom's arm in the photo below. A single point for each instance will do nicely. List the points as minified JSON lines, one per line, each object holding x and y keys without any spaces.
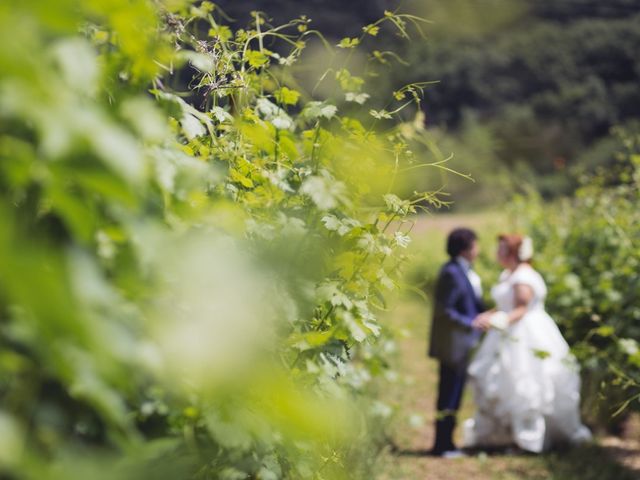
{"x":448,"y":293}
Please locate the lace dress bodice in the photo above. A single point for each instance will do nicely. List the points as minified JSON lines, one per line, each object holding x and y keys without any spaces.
{"x":503,"y":292}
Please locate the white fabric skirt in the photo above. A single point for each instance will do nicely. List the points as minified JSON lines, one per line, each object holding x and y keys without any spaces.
{"x":526,"y":387}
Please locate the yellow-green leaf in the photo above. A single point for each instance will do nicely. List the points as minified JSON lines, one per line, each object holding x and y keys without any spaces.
{"x":348,"y":82}
{"x":237,"y":177}
{"x":287,"y":96}
{"x":371,"y":30}
{"x":222,"y":32}
{"x":605,"y":330}
{"x":348,"y":42}
{"x":256,"y":59}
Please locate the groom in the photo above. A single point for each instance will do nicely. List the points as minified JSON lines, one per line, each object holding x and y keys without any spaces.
{"x":455,"y":330}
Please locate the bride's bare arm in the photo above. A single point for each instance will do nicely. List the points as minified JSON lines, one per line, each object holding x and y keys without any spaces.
{"x":523,"y":296}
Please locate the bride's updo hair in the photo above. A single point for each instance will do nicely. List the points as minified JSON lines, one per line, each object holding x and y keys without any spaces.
{"x":518,"y":246}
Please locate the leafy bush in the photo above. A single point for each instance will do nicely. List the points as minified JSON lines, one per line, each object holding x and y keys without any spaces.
{"x":544,"y":106}
{"x":589,"y":252}
{"x":193,"y":250}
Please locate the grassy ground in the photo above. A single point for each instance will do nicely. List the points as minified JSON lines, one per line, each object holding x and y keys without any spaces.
{"x":405,"y":456}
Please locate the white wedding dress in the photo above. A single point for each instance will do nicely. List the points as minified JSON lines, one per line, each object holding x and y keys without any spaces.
{"x":525,"y":382}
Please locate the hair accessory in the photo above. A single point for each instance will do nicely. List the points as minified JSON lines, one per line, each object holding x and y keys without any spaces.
{"x":525,"y":251}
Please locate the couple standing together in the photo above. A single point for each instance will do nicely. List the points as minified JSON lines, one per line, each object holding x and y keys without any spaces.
{"x":525,"y":382}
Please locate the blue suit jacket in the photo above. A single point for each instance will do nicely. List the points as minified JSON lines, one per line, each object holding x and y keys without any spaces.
{"x":455,"y":307}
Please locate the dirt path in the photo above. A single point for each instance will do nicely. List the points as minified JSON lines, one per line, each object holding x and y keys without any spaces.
{"x":414,"y":398}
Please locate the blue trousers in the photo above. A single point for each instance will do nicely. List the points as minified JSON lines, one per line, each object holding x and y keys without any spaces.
{"x":450,"y":388}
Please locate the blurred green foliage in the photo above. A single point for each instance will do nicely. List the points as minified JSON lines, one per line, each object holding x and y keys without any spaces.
{"x":190,"y":289}
{"x":543,"y":80}
{"x":546,"y":83}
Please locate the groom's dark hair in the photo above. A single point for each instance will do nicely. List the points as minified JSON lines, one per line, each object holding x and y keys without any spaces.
{"x":460,"y":240}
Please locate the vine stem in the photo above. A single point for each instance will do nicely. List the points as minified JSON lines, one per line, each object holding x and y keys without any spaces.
{"x":316,"y":135}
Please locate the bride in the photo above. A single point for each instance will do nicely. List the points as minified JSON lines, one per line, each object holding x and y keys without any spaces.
{"x":525,"y":381}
